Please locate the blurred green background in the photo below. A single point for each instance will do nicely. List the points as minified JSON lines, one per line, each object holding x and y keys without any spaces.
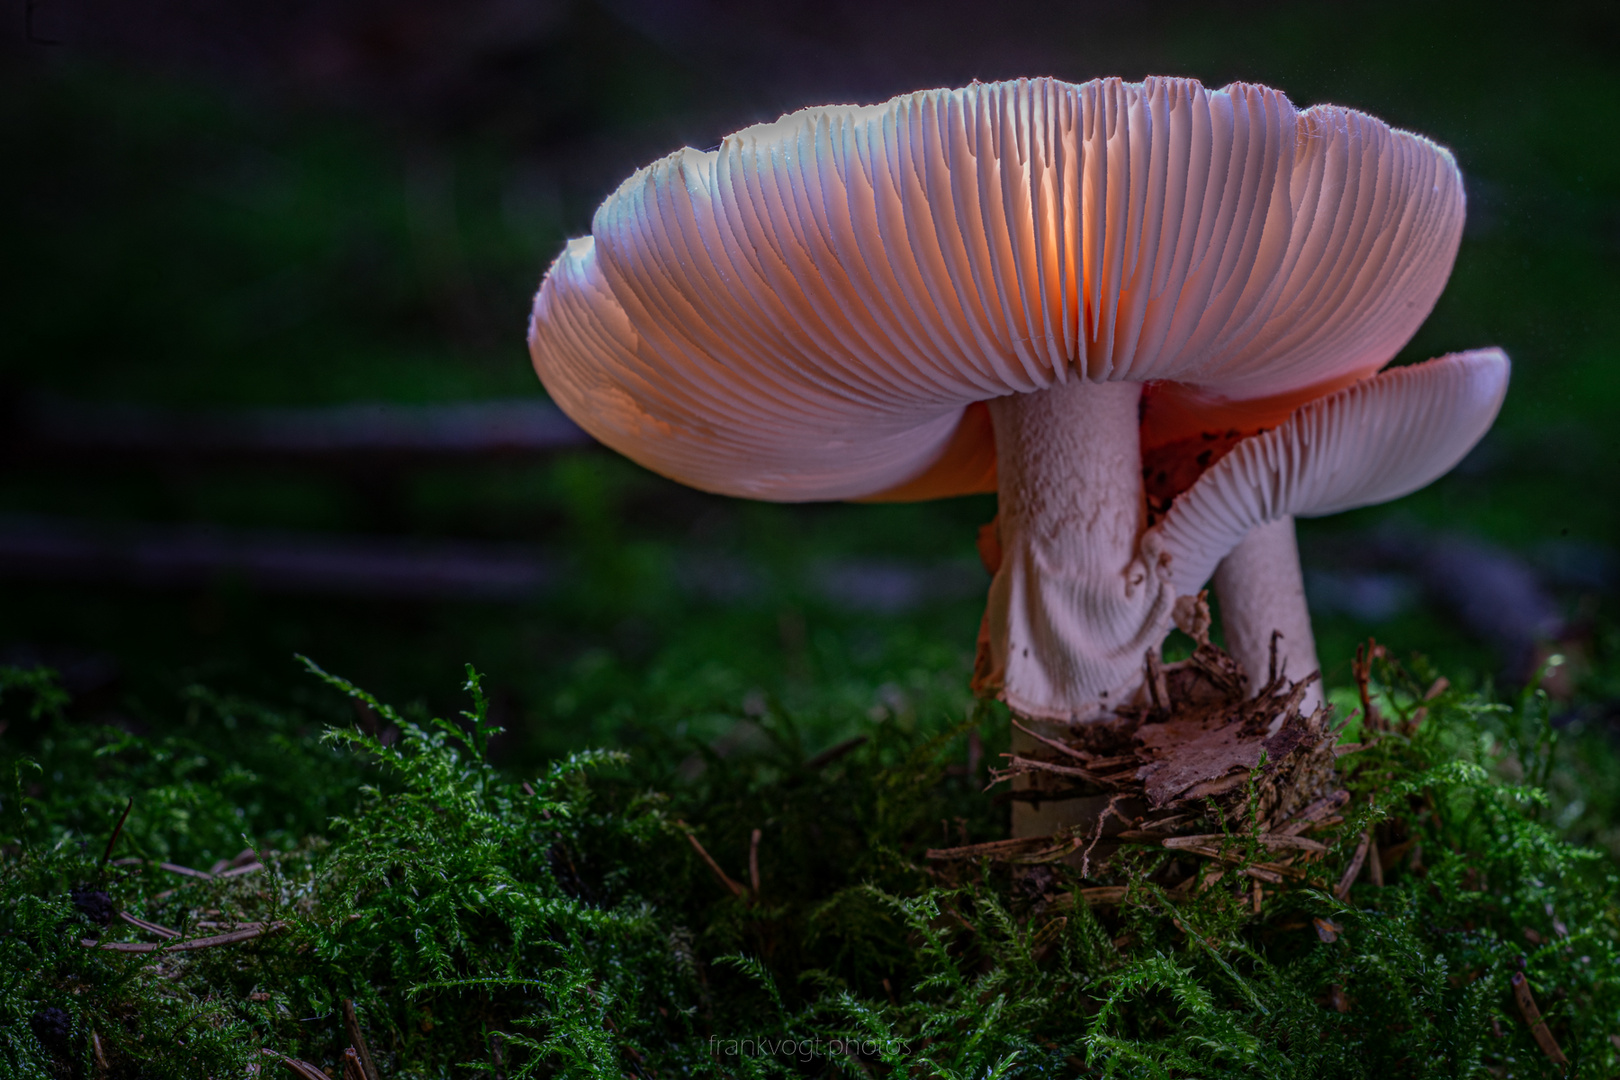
{"x":217,"y":204}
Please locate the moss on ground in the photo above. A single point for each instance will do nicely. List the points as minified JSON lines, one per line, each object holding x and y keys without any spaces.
{"x":615,"y":916}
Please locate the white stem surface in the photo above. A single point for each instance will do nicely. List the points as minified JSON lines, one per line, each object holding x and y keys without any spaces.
{"x":1074,"y":608}
{"x":1262,"y":590}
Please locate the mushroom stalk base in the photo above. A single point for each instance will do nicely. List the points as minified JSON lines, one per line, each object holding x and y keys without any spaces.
{"x":1074,"y":606}
{"x":1204,"y":758}
{"x":1262,"y":591}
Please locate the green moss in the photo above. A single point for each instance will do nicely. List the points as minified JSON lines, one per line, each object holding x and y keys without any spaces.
{"x":567,"y":924}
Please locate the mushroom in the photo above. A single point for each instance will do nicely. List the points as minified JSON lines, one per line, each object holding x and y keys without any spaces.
{"x":967,"y":290}
{"x":1376,"y":440}
{"x":1259,"y":583}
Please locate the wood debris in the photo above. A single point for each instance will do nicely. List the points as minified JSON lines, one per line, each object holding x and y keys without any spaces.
{"x":1201,"y":767}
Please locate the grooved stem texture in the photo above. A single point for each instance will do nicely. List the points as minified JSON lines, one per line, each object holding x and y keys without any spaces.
{"x":1074,"y":608}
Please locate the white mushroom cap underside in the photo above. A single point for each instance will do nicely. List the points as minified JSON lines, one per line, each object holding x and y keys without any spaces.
{"x":1377,"y":440}
{"x":804,"y":312}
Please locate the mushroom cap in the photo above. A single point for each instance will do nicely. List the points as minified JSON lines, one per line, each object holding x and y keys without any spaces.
{"x":814,"y":309}
{"x":1380,"y":439}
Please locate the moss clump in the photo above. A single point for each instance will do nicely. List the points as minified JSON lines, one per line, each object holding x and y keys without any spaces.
{"x":673,"y":911}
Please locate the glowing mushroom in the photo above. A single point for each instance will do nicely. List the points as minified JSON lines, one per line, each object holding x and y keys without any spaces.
{"x":967,"y":290}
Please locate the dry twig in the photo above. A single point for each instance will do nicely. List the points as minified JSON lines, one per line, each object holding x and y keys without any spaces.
{"x":357,"y":1041}
{"x":833,"y":753}
{"x":1353,"y":871}
{"x":117,"y":829}
{"x":725,"y":879}
{"x":1532,"y":1016}
{"x":302,"y":1068}
{"x":187,"y":945}
{"x":753,"y":861}
{"x":1020,"y":849}
{"x":149,"y":927}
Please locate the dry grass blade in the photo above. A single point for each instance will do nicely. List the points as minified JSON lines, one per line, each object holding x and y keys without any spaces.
{"x":1538,"y":1026}
{"x":1353,"y":871}
{"x":232,"y":938}
{"x":121,"y":946}
{"x":207,"y":924}
{"x":149,"y":927}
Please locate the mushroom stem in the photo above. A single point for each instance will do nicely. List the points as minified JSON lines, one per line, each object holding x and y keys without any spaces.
{"x":1262,"y":590}
{"x":1074,"y":607}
